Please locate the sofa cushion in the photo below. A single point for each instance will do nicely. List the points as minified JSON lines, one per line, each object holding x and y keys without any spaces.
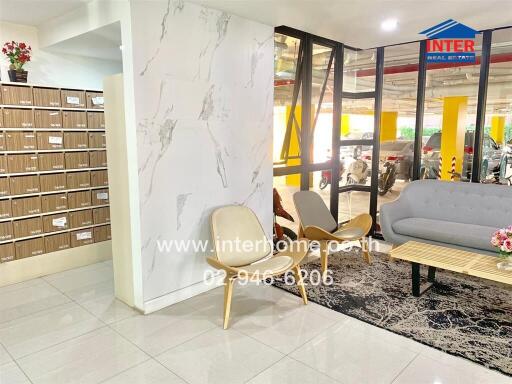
{"x":466,"y":235}
{"x":468,"y":203}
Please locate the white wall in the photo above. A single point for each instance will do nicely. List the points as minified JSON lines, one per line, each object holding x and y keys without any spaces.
{"x":93,"y":15}
{"x":47,"y":68}
{"x":203,"y":85}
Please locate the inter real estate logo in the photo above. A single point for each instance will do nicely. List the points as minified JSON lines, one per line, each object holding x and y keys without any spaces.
{"x":450,"y":42}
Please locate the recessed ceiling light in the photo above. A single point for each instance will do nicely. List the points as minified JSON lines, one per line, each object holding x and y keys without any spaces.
{"x":389,"y":25}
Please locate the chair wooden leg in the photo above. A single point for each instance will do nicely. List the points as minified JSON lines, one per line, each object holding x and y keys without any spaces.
{"x":366,"y":252}
{"x":324,"y":257}
{"x":300,"y":284}
{"x":301,"y":232}
{"x":228,"y":293}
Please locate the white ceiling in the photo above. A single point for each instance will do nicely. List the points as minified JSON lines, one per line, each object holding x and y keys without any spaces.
{"x":101,"y":43}
{"x":357,"y":22}
{"x":354,"y":22}
{"x":36,"y":12}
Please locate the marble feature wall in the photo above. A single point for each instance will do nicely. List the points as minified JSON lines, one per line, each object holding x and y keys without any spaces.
{"x":204,"y":100}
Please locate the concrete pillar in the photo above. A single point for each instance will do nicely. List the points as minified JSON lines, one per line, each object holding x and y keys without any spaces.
{"x":498,"y":129}
{"x":294,"y":143}
{"x":388,"y":126}
{"x":453,"y":134}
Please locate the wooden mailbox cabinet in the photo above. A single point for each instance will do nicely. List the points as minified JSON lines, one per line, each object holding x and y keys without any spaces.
{"x":46,"y":97}
{"x":18,"y":118}
{"x":47,"y":118}
{"x":17,"y":95}
{"x":53,"y":179}
{"x":72,"y":98}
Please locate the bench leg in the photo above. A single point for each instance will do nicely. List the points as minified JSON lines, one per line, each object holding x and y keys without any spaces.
{"x":431,"y":274}
{"x":417,"y":289}
{"x":415,"y":279}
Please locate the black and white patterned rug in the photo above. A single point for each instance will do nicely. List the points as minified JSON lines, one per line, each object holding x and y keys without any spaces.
{"x":460,"y":315}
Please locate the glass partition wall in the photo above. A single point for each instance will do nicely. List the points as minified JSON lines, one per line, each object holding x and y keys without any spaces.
{"x":304,"y":113}
{"x":357,"y":132}
{"x":497,"y":144}
{"x":357,"y":126}
{"x":398,"y":124}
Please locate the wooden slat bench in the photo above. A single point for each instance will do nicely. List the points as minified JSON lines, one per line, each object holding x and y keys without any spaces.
{"x":435,"y":256}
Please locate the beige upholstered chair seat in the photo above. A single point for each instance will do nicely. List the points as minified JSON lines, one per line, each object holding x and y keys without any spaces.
{"x":235,"y":224}
{"x":317,"y":224}
{"x":349,"y":233}
{"x":273,"y":265}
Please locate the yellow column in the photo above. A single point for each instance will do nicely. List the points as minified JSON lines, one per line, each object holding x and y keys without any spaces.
{"x":453,"y":134}
{"x":388,"y":126}
{"x":498,"y":129}
{"x":294,"y":143}
{"x":345,"y":125}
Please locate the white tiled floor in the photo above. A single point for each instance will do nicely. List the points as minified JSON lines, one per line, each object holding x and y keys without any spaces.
{"x":68,"y":328}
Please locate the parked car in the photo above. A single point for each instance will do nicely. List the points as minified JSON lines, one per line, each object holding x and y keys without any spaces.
{"x":506,"y":165}
{"x":366,"y":136}
{"x":400,"y":152}
{"x":491,"y":156}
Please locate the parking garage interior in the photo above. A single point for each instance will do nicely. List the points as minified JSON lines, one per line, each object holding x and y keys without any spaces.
{"x":448,"y":109}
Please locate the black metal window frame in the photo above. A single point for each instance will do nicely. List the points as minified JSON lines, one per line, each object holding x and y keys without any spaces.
{"x":304,"y":80}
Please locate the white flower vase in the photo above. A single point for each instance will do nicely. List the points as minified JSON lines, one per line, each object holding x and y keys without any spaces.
{"x":506,"y":263}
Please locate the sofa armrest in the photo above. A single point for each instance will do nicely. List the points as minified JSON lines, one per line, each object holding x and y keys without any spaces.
{"x":391,"y":213}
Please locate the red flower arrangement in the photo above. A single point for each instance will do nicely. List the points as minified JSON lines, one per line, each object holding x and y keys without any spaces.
{"x":17,"y":53}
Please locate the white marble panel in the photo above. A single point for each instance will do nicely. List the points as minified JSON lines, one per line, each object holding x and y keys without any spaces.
{"x":204,"y":102}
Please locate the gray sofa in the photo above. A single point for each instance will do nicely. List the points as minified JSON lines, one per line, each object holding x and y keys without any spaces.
{"x":453,"y":214}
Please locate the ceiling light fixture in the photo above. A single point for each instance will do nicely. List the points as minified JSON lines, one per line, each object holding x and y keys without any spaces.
{"x":389,"y":25}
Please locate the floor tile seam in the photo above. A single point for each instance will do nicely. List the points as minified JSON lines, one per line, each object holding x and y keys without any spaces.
{"x":265,"y":369}
{"x":316,"y":370}
{"x":15,"y":362}
{"x":158,"y":355}
{"x":2,"y":323}
{"x":404,"y":368}
{"x":61,"y":342}
{"x":317,"y":335}
{"x":124,"y":370}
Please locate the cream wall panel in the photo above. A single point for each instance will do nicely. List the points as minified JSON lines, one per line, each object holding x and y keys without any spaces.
{"x":41,"y":265}
{"x":124,"y":213}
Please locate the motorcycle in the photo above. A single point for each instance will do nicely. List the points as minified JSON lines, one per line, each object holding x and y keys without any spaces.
{"x":281,"y":233}
{"x":357,"y":172}
{"x":387,"y":177}
{"x":325,"y":179}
